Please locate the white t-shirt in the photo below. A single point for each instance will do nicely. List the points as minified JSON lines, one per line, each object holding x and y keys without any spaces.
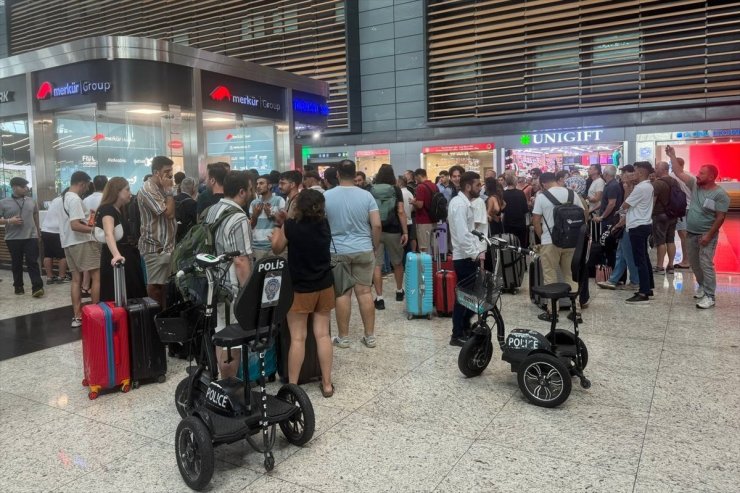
{"x":640,"y":201}
{"x":597,"y":186}
{"x":406,"y":206}
{"x":543,"y":207}
{"x":72,"y":210}
{"x":50,"y":224}
{"x":480,"y":216}
{"x":93,"y":201}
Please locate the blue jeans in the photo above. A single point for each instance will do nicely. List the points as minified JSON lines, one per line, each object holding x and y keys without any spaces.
{"x":639,"y":240}
{"x":625,"y":261}
{"x":460,"y":315}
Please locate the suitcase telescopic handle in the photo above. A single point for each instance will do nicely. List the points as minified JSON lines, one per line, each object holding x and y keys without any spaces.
{"x":119,"y":284}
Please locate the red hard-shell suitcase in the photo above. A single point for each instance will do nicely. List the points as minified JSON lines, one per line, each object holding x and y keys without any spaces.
{"x":105,"y":349}
{"x":445,"y":281}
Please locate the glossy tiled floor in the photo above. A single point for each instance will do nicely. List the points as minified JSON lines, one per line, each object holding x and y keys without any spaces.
{"x":661,"y":415}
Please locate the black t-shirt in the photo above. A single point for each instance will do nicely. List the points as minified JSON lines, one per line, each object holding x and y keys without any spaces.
{"x":612,"y":190}
{"x":309,"y":255}
{"x":515,"y":212}
{"x":110,"y":210}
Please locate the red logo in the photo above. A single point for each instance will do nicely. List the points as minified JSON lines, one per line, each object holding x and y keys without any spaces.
{"x":229,"y":136}
{"x":45,"y":91}
{"x":175,"y":144}
{"x":98,"y":137}
{"x":221,"y":93}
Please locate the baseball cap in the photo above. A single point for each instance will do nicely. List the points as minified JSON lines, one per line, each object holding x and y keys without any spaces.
{"x":17,"y":181}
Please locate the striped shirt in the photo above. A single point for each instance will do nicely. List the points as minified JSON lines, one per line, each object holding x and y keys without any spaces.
{"x":263,"y":229}
{"x":233,"y":234}
{"x":157,"y":230}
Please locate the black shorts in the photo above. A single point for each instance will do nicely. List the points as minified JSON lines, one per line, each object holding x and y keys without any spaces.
{"x":52,"y":245}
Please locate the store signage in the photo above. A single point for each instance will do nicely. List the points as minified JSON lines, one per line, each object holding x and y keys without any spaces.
{"x":329,"y":155}
{"x":568,"y":137}
{"x":303,"y":106}
{"x":310,"y":109}
{"x":13,"y":96}
{"x":707,"y":134}
{"x":6,"y":96}
{"x":373,"y":153}
{"x":47,"y":90}
{"x":459,"y":148}
{"x":222,"y":93}
{"x":241,"y":96}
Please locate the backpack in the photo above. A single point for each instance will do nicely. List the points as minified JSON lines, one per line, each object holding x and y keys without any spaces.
{"x":385,"y":196}
{"x":200,"y":239}
{"x":438,"y":207}
{"x":676,"y":206}
{"x":567,"y":221}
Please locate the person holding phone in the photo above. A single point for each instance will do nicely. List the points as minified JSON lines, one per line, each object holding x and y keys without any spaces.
{"x":707,"y":212}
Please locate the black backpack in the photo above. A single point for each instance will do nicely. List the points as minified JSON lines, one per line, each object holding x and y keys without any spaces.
{"x":438,"y":207}
{"x":567,"y":221}
{"x":676,"y":206}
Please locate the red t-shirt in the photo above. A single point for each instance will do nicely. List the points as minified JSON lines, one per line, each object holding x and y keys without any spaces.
{"x":424,"y":193}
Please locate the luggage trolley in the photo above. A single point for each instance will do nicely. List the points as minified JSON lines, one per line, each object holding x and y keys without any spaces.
{"x":545,"y":364}
{"x":221,"y":411}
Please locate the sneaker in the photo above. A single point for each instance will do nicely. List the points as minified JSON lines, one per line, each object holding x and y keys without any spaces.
{"x":379,"y":304}
{"x":705,"y":302}
{"x":369,"y":341}
{"x":38,"y":293}
{"x":651,"y":293}
{"x":638,"y":299}
{"x":399,"y":295}
{"x":64,"y":280}
{"x":699,"y":294}
{"x":606,"y":285}
{"x":76,"y":323}
{"x":52,"y":280}
{"x":341,"y":342}
{"x":458,"y":341}
{"x":20,"y":291}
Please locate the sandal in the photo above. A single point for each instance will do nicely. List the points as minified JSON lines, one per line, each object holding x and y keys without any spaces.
{"x":84,"y":293}
{"x":326,"y":394}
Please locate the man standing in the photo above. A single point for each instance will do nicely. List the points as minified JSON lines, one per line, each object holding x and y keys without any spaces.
{"x":425,"y":189}
{"x":355,"y":224}
{"x":707,"y":212}
{"x":465,"y":247}
{"x":92,"y":202}
{"x":664,"y":227}
{"x":81,"y":252}
{"x":444,"y":186}
{"x":214,"y":185}
{"x":232,"y":236}
{"x":361,"y":181}
{"x":312,"y":180}
{"x":186,"y":206}
{"x":158,"y":225}
{"x":611,"y":202}
{"x":290,"y":186}
{"x":554,"y":258}
{"x":262,"y":212}
{"x":20,"y":215}
{"x":410,"y":181}
{"x":596,"y":190}
{"x":456,"y":173}
{"x":639,"y":207}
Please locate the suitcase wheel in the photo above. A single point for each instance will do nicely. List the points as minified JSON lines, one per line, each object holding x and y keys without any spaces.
{"x":125,"y":388}
{"x":429,"y":316}
{"x":85,"y":383}
{"x":410,"y":317}
{"x":135,"y":385}
{"x":92,"y":396}
{"x":161,"y":378}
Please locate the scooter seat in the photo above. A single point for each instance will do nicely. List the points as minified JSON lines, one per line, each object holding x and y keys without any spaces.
{"x":553,"y":291}
{"x":234,"y":335}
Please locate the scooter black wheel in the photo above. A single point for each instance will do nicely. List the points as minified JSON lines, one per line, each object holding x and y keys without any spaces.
{"x":299,"y":428}
{"x":475,"y":356}
{"x":194,"y":451}
{"x":544,"y":380}
{"x":569,"y":338}
{"x":181,"y":397}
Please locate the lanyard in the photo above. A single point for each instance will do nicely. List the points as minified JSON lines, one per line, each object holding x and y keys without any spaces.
{"x":20,"y":205}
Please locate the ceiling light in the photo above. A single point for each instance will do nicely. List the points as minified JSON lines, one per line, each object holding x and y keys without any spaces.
{"x":145,"y":111}
{"x":219,"y":119}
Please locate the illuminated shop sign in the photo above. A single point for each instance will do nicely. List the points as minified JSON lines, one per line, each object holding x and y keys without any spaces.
{"x":373,"y":153}
{"x":568,"y":137}
{"x":241,"y":96}
{"x":328,"y":155}
{"x":707,"y":134}
{"x":488,"y":146}
{"x":222,"y":93}
{"x":310,"y":107}
{"x":47,"y":90}
{"x":6,"y":96}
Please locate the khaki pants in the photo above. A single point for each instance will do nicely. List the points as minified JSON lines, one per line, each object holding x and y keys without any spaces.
{"x":553,"y":259}
{"x":423,"y":235}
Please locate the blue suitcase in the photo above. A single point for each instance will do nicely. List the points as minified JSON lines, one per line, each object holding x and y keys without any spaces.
{"x":418,"y":284}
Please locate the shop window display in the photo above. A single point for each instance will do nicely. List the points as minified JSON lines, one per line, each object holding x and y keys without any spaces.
{"x":15,"y":155}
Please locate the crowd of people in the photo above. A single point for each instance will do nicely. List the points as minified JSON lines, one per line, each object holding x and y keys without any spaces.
{"x":337,"y":230}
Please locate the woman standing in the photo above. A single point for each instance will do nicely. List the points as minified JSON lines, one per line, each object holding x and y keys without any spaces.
{"x":309,"y":263}
{"x":494,"y":206}
{"x":112,"y":231}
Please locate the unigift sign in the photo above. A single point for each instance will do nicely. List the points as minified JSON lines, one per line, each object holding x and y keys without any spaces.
{"x":564,"y":137}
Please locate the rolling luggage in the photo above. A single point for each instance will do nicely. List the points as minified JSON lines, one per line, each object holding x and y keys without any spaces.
{"x":148,"y":354}
{"x":512,"y":265}
{"x":444,"y":288}
{"x":418,"y":285}
{"x":440,"y":243}
{"x":105,"y":348}
{"x":311,"y":369}
{"x":253,"y":364}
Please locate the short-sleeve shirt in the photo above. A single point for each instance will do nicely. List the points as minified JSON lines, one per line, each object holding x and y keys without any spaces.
{"x":406,"y":206}
{"x":263,"y":228}
{"x":424,"y":193}
{"x":480,"y":218}
{"x":704,"y":205}
{"x":157,"y":230}
{"x":596,"y":186}
{"x":50,"y":223}
{"x":640,"y":201}
{"x":232,"y":235}
{"x":662,"y":193}
{"x":348,"y":210}
{"x":309,"y":255}
{"x":612,"y":190}
{"x":545,"y":208}
{"x":394,"y":228}
{"x":93,"y":201}
{"x":118,"y":224}
{"x":72,"y":210}
{"x":26,"y":208}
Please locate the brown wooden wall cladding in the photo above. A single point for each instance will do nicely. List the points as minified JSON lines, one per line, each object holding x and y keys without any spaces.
{"x":488,"y":58}
{"x":306,"y":37}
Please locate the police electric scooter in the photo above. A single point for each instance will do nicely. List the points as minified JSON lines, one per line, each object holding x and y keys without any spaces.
{"x":545,"y":364}
{"x":220,"y":411}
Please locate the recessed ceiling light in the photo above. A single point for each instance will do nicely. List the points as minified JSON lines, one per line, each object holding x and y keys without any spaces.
{"x":219,"y":119}
{"x":145,"y":111}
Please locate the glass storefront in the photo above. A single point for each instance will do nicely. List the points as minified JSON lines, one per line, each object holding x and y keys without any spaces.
{"x":472,"y":157}
{"x":569,"y":158}
{"x":243,"y":142}
{"x":15,"y":154}
{"x":370,"y":161}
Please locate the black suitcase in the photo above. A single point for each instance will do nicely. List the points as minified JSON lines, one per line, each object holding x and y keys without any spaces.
{"x":148,"y":354}
{"x":512,"y":265}
{"x":311,"y":369}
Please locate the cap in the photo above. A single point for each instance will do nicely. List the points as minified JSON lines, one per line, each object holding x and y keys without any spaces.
{"x":18,"y":182}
